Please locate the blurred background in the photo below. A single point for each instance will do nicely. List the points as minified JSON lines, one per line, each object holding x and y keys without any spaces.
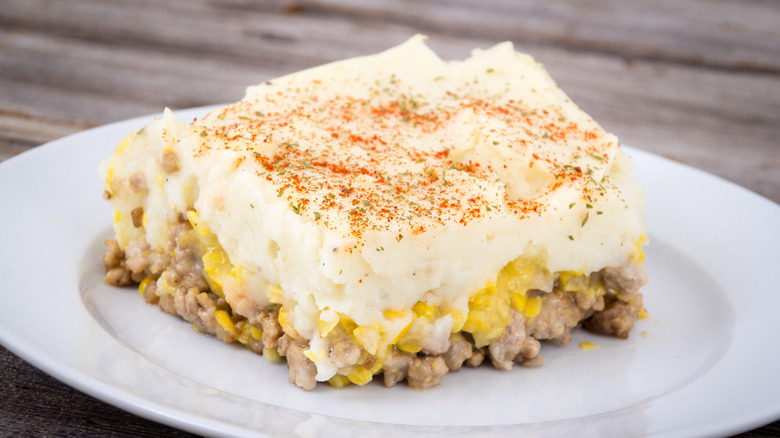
{"x":697,"y":81}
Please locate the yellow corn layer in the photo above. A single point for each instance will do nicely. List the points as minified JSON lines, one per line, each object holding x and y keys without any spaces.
{"x":488,"y":315}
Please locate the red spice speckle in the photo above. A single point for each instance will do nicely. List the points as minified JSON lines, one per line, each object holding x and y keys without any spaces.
{"x":387,"y":161}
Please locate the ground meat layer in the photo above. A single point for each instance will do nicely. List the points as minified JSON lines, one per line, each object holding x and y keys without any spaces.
{"x":188,"y":295}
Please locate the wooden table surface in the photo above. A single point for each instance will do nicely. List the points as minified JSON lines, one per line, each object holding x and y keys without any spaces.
{"x":697,"y":81}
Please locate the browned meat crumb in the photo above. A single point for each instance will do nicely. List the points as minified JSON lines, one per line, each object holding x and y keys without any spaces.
{"x":343,"y":352}
{"x":137,"y":182}
{"x":529,"y":355}
{"x":559,"y":314}
{"x":396,"y":366}
{"x":477,"y":357}
{"x":117,"y":273}
{"x":272,"y":331}
{"x":149,"y":294}
{"x":302,"y":369}
{"x":426,"y":372}
{"x":460,"y":350}
{"x":502,"y":352}
{"x":618,"y":317}
{"x":625,"y":280}
{"x":137,"y":215}
{"x":169,"y":161}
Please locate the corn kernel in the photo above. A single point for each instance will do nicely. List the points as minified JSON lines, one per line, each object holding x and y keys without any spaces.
{"x":596,"y":288}
{"x":166,"y":287}
{"x":518,"y":274}
{"x":225,"y":322}
{"x":255,"y":333}
{"x":643,"y":313}
{"x":588,"y":345}
{"x":572,"y":281}
{"x":412,"y":340}
{"x":271,"y":354}
{"x":328,"y":320}
{"x":519,"y":300}
{"x":347,"y":323}
{"x":197,"y":225}
{"x":458,"y":319}
{"x":411,"y":346}
{"x":144,"y":284}
{"x":217,"y":267}
{"x":525,"y":272}
{"x":213,"y":259}
{"x":284,"y":320}
{"x":640,"y":251}
{"x":402,"y":333}
{"x":394,"y":314}
{"x":243,"y":336}
{"x":338,"y":381}
{"x":325,"y":327}
{"x":506,"y":279}
{"x":368,"y":338}
{"x":378,"y":365}
{"x":423,"y":309}
{"x":360,"y":376}
{"x":532,"y":307}
{"x":274,"y":294}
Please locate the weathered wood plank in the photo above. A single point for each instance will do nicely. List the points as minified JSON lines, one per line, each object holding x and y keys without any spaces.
{"x":20,"y":132}
{"x":38,"y":405}
{"x":736,"y":34}
{"x":693,"y":114}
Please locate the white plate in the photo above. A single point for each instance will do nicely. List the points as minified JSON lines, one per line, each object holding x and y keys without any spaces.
{"x":704,"y":363}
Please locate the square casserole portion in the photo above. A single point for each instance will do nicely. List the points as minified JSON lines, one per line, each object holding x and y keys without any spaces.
{"x":390,"y":216}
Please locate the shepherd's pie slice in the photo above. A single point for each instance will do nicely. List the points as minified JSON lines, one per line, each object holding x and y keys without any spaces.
{"x":391,"y":216}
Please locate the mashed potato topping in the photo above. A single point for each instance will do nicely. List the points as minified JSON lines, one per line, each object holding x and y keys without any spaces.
{"x":390,"y":200}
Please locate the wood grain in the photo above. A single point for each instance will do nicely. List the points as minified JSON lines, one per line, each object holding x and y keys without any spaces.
{"x":697,"y":81}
